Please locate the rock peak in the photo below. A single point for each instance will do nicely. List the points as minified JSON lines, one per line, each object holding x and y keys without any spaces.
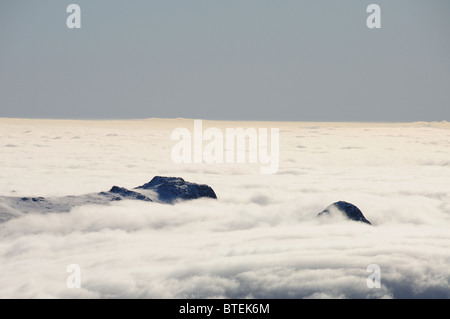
{"x":157,"y":180}
{"x":349,"y":210}
{"x":170,"y":189}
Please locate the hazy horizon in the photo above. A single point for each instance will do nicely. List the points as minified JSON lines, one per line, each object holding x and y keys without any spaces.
{"x":210,"y":119}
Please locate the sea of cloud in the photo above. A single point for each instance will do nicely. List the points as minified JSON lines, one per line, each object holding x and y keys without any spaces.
{"x":259,"y":239}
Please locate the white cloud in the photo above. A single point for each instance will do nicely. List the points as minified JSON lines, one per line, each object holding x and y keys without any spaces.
{"x":260,"y":239}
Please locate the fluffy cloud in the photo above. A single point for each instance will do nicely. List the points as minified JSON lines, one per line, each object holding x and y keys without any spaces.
{"x":260,"y":239}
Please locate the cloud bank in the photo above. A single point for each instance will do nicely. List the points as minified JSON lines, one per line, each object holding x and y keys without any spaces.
{"x":260,"y":239}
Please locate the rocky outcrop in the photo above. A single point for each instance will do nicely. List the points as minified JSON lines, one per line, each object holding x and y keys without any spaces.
{"x":160,"y":189}
{"x":348,"y":210}
{"x":170,"y":189}
{"x":119,"y":193}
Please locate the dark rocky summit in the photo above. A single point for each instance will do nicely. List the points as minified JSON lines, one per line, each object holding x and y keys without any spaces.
{"x":170,"y":189}
{"x":160,"y":189}
{"x":349,"y":210}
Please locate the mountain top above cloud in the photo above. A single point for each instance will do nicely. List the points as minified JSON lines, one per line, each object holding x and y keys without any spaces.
{"x":170,"y":189}
{"x":349,"y":210}
{"x":160,"y":189}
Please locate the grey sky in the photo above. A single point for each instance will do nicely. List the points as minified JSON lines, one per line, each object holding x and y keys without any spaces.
{"x":226,"y":59}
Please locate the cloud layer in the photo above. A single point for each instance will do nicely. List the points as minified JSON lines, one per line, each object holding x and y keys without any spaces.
{"x":260,"y":239}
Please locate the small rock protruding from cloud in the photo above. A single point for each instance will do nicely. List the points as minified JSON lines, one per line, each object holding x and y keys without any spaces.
{"x":347,"y":209}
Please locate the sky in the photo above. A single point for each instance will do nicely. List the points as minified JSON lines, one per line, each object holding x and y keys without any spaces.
{"x":226,"y":60}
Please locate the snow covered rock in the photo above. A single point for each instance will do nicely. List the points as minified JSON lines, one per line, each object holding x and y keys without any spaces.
{"x":170,"y":189}
{"x":160,"y":189}
{"x":119,"y":193}
{"x":349,"y":210}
